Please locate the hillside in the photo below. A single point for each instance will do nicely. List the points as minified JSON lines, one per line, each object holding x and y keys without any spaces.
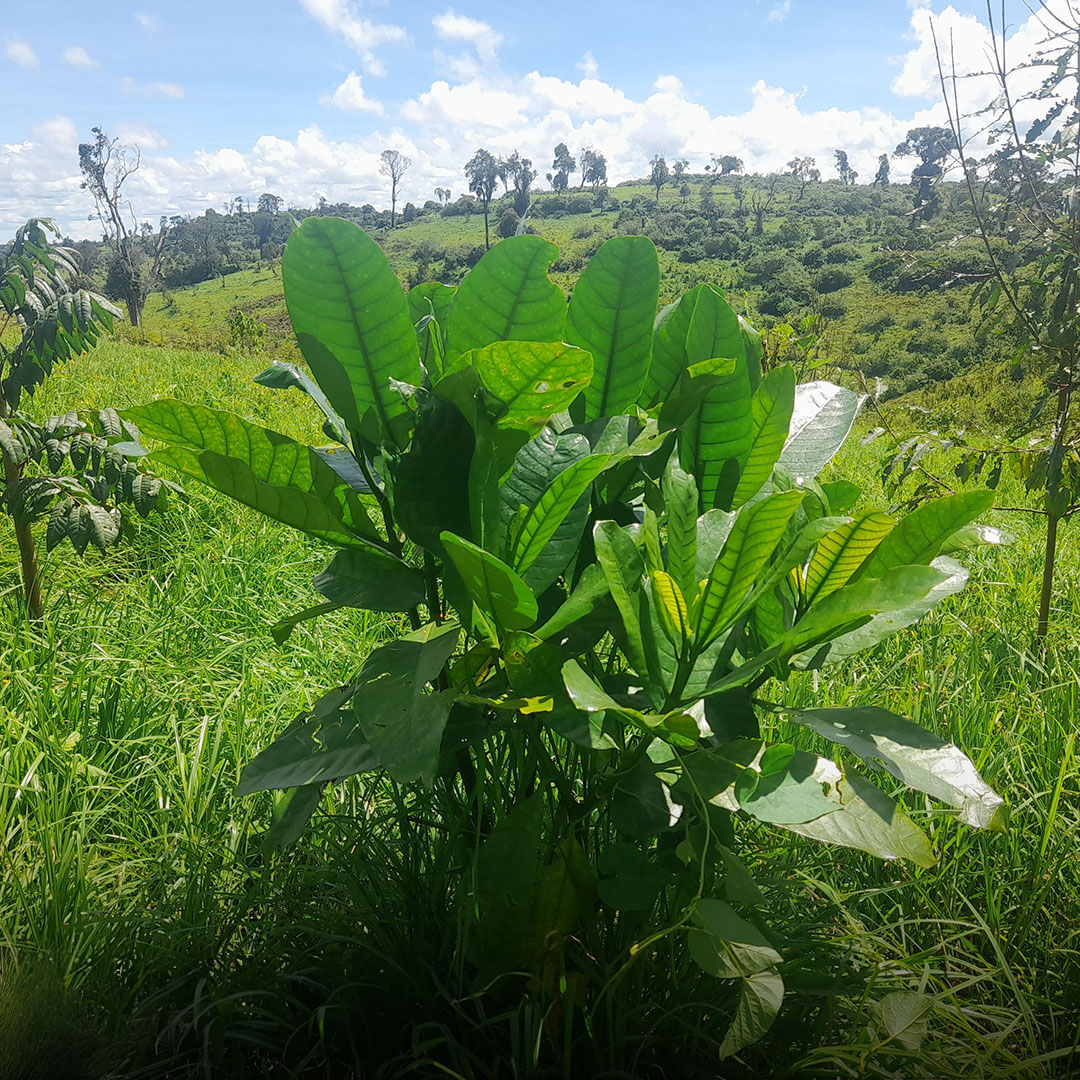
{"x":890,"y":298}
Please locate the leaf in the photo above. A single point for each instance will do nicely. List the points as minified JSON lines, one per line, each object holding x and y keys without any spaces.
{"x":912,"y":754}
{"x":901,"y":1018}
{"x":867,"y":819}
{"x":841,"y":552}
{"x":640,"y":805}
{"x":503,"y":600}
{"x":404,"y":726}
{"x":536,"y":465}
{"x":292,"y":811}
{"x":532,"y":380}
{"x":611,"y":315}
{"x":280,"y":631}
{"x":820,"y":423}
{"x":587,"y":596}
{"x":671,"y":605}
{"x":759,"y":1001}
{"x":352,"y":324}
{"x":630,"y":880}
{"x":680,"y":502}
{"x":542,"y":520}
{"x":757,"y":531}
{"x":920,"y":536}
{"x":256,"y":456}
{"x":784,"y":796}
{"x":429,"y":306}
{"x":280,"y":376}
{"x":370,"y":579}
{"x":726,"y":945}
{"x":507,"y":296}
{"x":770,"y":409}
{"x":623,"y":571}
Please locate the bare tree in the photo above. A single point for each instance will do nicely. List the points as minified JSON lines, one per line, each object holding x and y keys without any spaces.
{"x":761,"y":200}
{"x":106,"y":165}
{"x":395,"y":165}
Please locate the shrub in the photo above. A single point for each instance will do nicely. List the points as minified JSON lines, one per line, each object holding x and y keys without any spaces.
{"x":830,"y":281}
{"x":594,"y":605}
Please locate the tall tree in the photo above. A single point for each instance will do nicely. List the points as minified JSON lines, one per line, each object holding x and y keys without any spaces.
{"x":563,"y":165}
{"x":106,"y":165}
{"x":482,"y":169}
{"x":678,"y":170}
{"x":848,"y":175}
{"x":593,"y":168}
{"x":394,"y":165}
{"x":269,"y":204}
{"x":881,"y":177}
{"x":761,"y":200}
{"x":931,"y":145}
{"x":805,"y":170}
{"x":659,"y":174}
{"x":725,"y":165}
{"x":519,"y":175}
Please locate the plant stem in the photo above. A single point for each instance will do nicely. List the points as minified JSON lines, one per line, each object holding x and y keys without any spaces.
{"x":1048,"y":575}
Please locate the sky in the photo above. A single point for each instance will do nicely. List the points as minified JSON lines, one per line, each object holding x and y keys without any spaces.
{"x":298,"y":97}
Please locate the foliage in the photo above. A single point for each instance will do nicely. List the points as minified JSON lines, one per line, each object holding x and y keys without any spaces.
{"x":603,"y":564}
{"x":57,"y":323}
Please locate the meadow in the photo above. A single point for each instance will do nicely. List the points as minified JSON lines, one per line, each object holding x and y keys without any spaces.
{"x":146,"y":931}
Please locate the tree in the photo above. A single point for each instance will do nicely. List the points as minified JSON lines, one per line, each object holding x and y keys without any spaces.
{"x":725,"y":165}
{"x":395,"y":165}
{"x":685,"y":192}
{"x":931,"y":145}
{"x":805,"y":170}
{"x":563,"y":165}
{"x":443,"y":195}
{"x":848,"y":175}
{"x":761,"y":200}
{"x":106,"y":165}
{"x":519,"y":174}
{"x":593,"y":168}
{"x":659,"y":174}
{"x":482,"y":169}
{"x":881,"y":177}
{"x":269,"y":204}
{"x":678,"y":170}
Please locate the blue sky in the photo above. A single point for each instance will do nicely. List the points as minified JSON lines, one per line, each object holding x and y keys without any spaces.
{"x":299,"y":96}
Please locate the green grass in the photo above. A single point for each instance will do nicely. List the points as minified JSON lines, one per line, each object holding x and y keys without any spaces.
{"x":143,"y":931}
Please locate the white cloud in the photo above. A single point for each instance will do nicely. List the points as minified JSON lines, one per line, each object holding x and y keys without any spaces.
{"x":77,"y":56}
{"x":18,"y":51}
{"x":779,"y":12}
{"x":152,"y":89}
{"x":147,"y":22}
{"x":668,"y":84}
{"x":363,"y":35}
{"x":451,"y":26}
{"x":142,"y":136}
{"x":588,"y":66}
{"x":350,"y":95}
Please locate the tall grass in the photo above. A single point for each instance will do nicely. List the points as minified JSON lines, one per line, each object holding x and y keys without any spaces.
{"x":145,"y":931}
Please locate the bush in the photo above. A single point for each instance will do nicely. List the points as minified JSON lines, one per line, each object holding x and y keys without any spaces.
{"x":508,"y":224}
{"x":830,"y":281}
{"x":841,"y":253}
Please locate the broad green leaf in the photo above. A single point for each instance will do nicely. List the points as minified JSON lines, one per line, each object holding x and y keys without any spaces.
{"x":976,"y":536}
{"x":590,"y":591}
{"x":536,"y":465}
{"x":759,"y":1001}
{"x":543,"y":519}
{"x":757,"y":531}
{"x":841,"y":552}
{"x":352,"y":323}
{"x":752,"y":342}
{"x":640,"y":806}
{"x":429,"y":306}
{"x":404,"y":726}
{"x":418,"y":656}
{"x":912,"y":754}
{"x":739,"y":886}
{"x":671,"y":605}
{"x":713,"y":529}
{"x":726,"y":945}
{"x":370,"y":579}
{"x":820,"y":423}
{"x":532,"y":380}
{"x":611,"y":315}
{"x":292,"y":811}
{"x":630,"y":880}
{"x":621,"y":562}
{"x":867,"y":819}
{"x":280,"y":376}
{"x":680,"y":503}
{"x":263,"y":465}
{"x":770,"y":410}
{"x":507,"y":296}
{"x":502,"y":600}
{"x":919,"y":536}
{"x":232,"y":477}
{"x":901,"y":1018}
{"x":784,"y":796}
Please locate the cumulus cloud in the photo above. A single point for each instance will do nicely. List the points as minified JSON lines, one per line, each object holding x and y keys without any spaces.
{"x":350,"y":95}
{"x":779,"y":12}
{"x":451,"y":26}
{"x":18,"y":51}
{"x":363,"y":35}
{"x":78,"y":57}
{"x":152,"y":89}
{"x":588,"y":66}
{"x":142,"y":136}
